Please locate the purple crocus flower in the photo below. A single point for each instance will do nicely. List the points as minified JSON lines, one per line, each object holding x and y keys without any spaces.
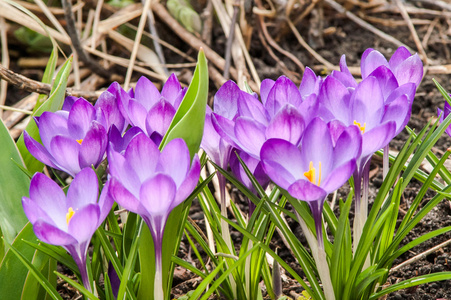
{"x":68,"y":221}
{"x":71,"y":140}
{"x":443,"y":114}
{"x":108,"y":103}
{"x":323,"y":162}
{"x":150,"y":110}
{"x":151,"y":183}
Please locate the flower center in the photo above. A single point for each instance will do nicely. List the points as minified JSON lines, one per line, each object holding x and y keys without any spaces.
{"x":362,"y":128}
{"x":69,"y":215}
{"x":311,"y":173}
{"x":81,"y":140}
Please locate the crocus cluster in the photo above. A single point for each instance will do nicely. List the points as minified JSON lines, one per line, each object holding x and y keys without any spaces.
{"x":126,"y":128}
{"x":310,"y":140}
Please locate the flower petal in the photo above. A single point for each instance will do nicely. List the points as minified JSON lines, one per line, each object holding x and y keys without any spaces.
{"x":159,"y":117}
{"x":284,"y":91}
{"x":226,"y":99}
{"x":157,"y":195}
{"x":80,"y":117}
{"x":281,"y":161}
{"x":250,"y":135}
{"x":171,"y":89}
{"x":175,"y":160}
{"x":339,"y":176}
{"x":123,"y":196}
{"x":371,"y":60}
{"x":52,"y":124}
{"x":142,"y":156}
{"x":83,"y":190}
{"x":306,"y":191}
{"x":377,"y":138}
{"x":265,"y":89}
{"x":38,"y":151}
{"x":52,"y":235}
{"x":288,"y":124}
{"x":146,"y":93}
{"x":189,"y":182}
{"x":137,"y":114}
{"x":49,"y":197}
{"x":84,"y":223}
{"x":106,"y":202}
{"x":94,"y":145}
{"x":65,"y":151}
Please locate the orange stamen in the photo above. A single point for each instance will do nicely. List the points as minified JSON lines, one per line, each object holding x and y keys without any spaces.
{"x":69,"y":215}
{"x":362,"y":128}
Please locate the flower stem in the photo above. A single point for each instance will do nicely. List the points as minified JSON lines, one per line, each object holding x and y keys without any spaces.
{"x":320,"y":257}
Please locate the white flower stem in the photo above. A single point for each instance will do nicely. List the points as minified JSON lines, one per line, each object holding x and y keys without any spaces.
{"x":320,"y":257}
{"x":158,"y":285}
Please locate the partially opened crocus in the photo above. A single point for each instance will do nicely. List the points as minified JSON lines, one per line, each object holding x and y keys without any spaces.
{"x":151,"y":110}
{"x":321,"y":164}
{"x":68,"y":221}
{"x":151,"y":184}
{"x":71,"y":140}
{"x":443,"y":114}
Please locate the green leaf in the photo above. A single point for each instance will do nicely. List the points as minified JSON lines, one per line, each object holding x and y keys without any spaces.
{"x":53,"y":103}
{"x":188,"y":122}
{"x":16,"y":265}
{"x":14,"y":185}
{"x":78,"y":286}
{"x":412,"y":282}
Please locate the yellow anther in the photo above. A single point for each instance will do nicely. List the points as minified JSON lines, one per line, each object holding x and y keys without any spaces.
{"x":311,"y":173}
{"x":80,"y":141}
{"x":362,"y":128}
{"x":69,"y":215}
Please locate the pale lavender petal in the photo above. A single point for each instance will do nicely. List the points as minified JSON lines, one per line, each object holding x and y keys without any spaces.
{"x":310,"y":83}
{"x":371,"y":60}
{"x":225,"y":128}
{"x":377,"y":138}
{"x":265,"y":89}
{"x":249,"y":106}
{"x":336,"y":128}
{"x":251,"y":135}
{"x":49,"y":196}
{"x":34,"y":212}
{"x":84,"y":223}
{"x":387,"y":80}
{"x":284,"y":91}
{"x":80,"y":117}
{"x":288,"y":125}
{"x":68,"y":102}
{"x":83,"y":190}
{"x":407,"y":89}
{"x":317,"y":146}
{"x":50,"y":125}
{"x":120,"y":142}
{"x":52,"y":235}
{"x":189,"y":183}
{"x":123,"y":196}
{"x":160,"y":117}
{"x":146,"y":94}
{"x":400,"y":55}
{"x":106,"y":202}
{"x":335,"y":98}
{"x":171,"y":89}
{"x":157,"y":195}
{"x":344,"y":75}
{"x":225,"y":100}
{"x":93,"y":146}
{"x":137,"y":114}
{"x":210,"y":139}
{"x":410,"y":70}
{"x":306,"y":191}
{"x":339,"y":176}
{"x":282,"y":162}
{"x":398,"y":111}
{"x":366,"y":109}
{"x":108,"y":104}
{"x":175,"y":160}
{"x":65,"y":151}
{"x":38,"y":151}
{"x":142,"y":155}
{"x":348,"y":145}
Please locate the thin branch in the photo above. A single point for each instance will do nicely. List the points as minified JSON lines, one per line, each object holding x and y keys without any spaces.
{"x":82,"y":55}
{"x":419,"y":256}
{"x":365,"y":25}
{"x":228,"y":53}
{"x":34,"y":86}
